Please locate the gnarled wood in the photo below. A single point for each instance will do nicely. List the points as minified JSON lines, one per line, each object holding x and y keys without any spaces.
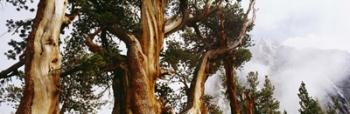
{"x":143,"y":58}
{"x":43,"y":60}
{"x":195,"y":104}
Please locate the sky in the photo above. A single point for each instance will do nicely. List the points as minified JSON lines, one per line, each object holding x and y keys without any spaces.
{"x":301,"y":40}
{"x":296,"y":40}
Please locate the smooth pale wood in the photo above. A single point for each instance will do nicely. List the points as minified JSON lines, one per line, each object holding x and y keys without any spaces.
{"x":43,"y":60}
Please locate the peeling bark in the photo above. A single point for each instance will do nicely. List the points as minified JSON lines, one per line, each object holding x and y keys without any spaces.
{"x":43,"y":60}
{"x":143,"y":58}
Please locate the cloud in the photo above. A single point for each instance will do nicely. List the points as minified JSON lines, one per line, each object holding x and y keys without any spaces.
{"x":288,"y":66}
{"x":312,"y":44}
{"x":319,"y":41}
{"x":283,"y":19}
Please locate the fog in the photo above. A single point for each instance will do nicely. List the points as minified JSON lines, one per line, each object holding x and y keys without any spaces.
{"x":287,"y":67}
{"x":299,"y":40}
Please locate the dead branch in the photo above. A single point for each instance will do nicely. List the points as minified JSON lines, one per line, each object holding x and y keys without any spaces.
{"x":6,"y":73}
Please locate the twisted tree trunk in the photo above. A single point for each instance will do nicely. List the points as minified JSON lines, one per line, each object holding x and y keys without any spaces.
{"x":195,"y":104}
{"x":143,"y":58}
{"x":43,"y":60}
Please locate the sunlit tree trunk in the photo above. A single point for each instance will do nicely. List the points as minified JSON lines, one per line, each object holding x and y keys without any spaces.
{"x":143,"y":59}
{"x":43,"y":60}
{"x":195,"y":104}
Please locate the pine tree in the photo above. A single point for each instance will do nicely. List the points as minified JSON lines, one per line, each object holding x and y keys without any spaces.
{"x":266,"y":103}
{"x":308,"y":105}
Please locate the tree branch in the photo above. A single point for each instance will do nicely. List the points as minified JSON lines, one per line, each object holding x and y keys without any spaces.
{"x":195,"y":104}
{"x":70,"y":17}
{"x":165,"y":71}
{"x":178,"y":22}
{"x":123,"y":35}
{"x":93,"y":47}
{"x":246,"y":24}
{"x":107,"y":67}
{"x":6,"y":73}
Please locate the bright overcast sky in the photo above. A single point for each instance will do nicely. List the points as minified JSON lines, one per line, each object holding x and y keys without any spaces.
{"x":321,"y":24}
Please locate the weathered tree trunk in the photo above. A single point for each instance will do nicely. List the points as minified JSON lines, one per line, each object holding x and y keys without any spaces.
{"x":195,"y":104}
{"x":143,"y":58}
{"x":120,"y":85}
{"x":231,"y":86}
{"x":43,"y":60}
{"x":229,"y":71}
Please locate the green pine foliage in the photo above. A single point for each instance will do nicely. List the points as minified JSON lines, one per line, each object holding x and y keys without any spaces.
{"x":266,"y":103}
{"x":308,"y":105}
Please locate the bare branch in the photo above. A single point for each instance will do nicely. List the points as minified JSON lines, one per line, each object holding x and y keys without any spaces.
{"x":195,"y":103}
{"x":123,"y":35}
{"x":70,"y":17}
{"x":164,"y":71}
{"x":93,"y":47}
{"x":6,"y":73}
{"x":107,"y":67}
{"x":247,"y":22}
{"x":179,"y":22}
{"x":176,"y":20}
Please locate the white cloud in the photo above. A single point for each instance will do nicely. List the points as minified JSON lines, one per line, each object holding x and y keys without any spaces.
{"x":287,"y":67}
{"x":319,"y":41}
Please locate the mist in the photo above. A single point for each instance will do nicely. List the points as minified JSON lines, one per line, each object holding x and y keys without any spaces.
{"x":322,"y":70}
{"x":298,"y":41}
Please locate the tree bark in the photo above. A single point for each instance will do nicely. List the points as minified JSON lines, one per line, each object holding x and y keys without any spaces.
{"x":120,"y":85}
{"x":249,"y":102}
{"x":143,"y":58}
{"x":231,"y":86}
{"x":195,"y":104}
{"x":43,"y":60}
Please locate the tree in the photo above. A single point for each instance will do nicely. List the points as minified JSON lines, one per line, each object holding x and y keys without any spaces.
{"x":308,"y":105}
{"x":266,"y":103}
{"x":142,"y":26}
{"x":43,"y":60}
{"x":258,"y":101}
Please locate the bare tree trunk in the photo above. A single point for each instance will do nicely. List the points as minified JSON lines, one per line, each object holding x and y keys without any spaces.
{"x":120,"y":85}
{"x":43,"y":60}
{"x":231,"y":86}
{"x":195,"y":104}
{"x":230,"y":72}
{"x":143,"y":59}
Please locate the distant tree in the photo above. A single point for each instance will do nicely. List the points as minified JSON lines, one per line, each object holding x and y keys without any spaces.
{"x":212,"y":108}
{"x":308,"y":105}
{"x":266,"y":103}
{"x":254,"y":100}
